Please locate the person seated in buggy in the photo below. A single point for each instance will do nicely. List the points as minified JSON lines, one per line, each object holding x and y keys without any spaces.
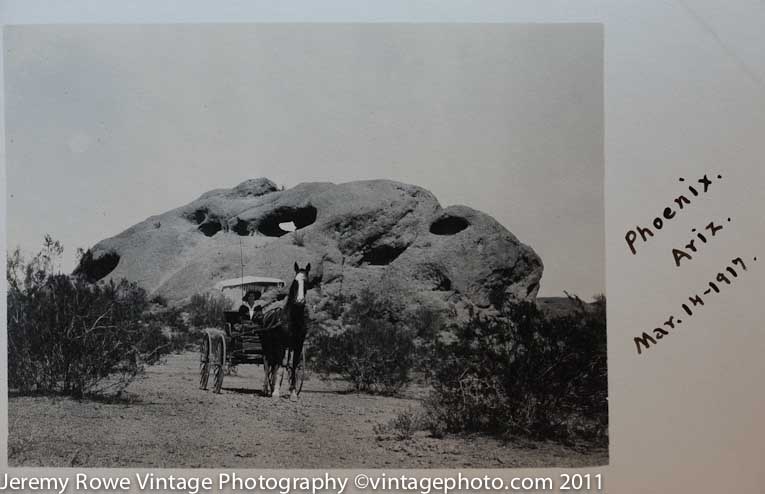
{"x":252,"y":308}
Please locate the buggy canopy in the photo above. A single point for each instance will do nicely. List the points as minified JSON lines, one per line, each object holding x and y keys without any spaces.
{"x":249,"y":282}
{"x":235,"y":287}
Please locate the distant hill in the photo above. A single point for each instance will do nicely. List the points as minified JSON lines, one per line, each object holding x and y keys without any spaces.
{"x":558,"y":306}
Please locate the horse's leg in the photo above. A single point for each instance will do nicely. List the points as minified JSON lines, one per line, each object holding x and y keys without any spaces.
{"x":271,"y":365}
{"x":275,"y":363}
{"x":266,"y":347}
{"x":275,"y":385}
{"x":293,"y":393}
{"x":265,"y":376}
{"x":282,"y":364}
{"x":297,"y":350}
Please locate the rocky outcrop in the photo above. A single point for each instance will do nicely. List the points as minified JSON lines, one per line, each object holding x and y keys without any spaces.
{"x":378,"y":234}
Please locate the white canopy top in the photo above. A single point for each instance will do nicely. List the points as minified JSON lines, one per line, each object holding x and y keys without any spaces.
{"x":248,"y":280}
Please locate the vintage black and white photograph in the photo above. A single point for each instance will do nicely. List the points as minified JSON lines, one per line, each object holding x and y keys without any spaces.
{"x":305,"y":246}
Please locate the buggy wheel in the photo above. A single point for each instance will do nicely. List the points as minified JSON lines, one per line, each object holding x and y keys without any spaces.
{"x":219,"y":360}
{"x":204,"y":362}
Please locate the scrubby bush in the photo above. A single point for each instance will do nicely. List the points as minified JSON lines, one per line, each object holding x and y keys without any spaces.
{"x":68,"y":335}
{"x":185,"y":340}
{"x":402,"y":427}
{"x":171,"y":318}
{"x":154,"y":343}
{"x":206,"y":309}
{"x":172,"y":323}
{"x":373,"y":351}
{"x":525,"y":373}
{"x":427,"y":325}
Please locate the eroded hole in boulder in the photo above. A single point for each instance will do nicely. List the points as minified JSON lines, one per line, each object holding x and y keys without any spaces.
{"x":210,"y":228}
{"x":198,"y":216}
{"x":443,"y":283}
{"x":95,"y":269}
{"x":497,"y":296}
{"x":532,"y":288}
{"x":382,"y":255}
{"x":448,"y":225}
{"x":241,"y":227}
{"x":299,"y":217}
{"x":435,"y":276}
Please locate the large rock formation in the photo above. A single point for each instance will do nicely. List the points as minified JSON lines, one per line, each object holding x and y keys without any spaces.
{"x":375,"y":233}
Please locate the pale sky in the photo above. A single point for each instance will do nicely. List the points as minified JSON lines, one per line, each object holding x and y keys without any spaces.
{"x":107,"y":125}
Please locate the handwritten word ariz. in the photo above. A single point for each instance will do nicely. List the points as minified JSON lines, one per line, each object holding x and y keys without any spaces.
{"x":685,"y":252}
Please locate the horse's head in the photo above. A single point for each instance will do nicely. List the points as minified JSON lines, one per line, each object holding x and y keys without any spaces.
{"x":299,"y":284}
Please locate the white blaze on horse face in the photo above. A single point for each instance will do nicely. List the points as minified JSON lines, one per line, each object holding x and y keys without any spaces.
{"x":300,"y":278}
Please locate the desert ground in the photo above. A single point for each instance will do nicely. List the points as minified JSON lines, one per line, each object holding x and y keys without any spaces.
{"x":167,"y":422}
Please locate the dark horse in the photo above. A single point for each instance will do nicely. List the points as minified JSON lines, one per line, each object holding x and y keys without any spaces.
{"x":287,"y":332}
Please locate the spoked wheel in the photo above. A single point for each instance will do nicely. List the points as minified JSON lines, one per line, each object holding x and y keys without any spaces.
{"x":219,"y":360}
{"x":204,"y":363}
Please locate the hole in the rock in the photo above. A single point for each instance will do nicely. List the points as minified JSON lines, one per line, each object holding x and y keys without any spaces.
{"x":197,"y":216}
{"x":444,"y":283}
{"x":210,"y":228}
{"x":270,"y":225}
{"x":448,"y":225}
{"x":532,"y":287}
{"x":95,"y":269}
{"x":382,"y":255}
{"x":435,"y":276}
{"x":497,"y":296}
{"x":241,"y":227}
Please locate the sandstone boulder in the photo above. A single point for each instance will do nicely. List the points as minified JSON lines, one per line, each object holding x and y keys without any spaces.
{"x":378,"y":234}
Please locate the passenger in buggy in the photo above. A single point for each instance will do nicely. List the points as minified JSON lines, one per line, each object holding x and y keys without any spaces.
{"x":251,"y":308}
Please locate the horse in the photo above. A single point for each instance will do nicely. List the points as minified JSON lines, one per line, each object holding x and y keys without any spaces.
{"x":286,"y":331}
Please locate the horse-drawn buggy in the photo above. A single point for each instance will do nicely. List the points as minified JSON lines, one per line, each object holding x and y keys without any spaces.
{"x":273,"y":338}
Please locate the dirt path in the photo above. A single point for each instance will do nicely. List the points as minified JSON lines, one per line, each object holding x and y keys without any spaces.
{"x":173,"y":424}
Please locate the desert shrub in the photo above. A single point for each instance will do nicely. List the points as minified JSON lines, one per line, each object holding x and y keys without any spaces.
{"x":526,"y":374}
{"x":206,"y":309}
{"x":172,"y":323}
{"x":373,"y":351}
{"x":154,"y":344}
{"x":170,"y":318}
{"x":402,"y":427}
{"x":426,"y":324}
{"x":68,"y":335}
{"x":186,"y":340}
{"x":330,"y":309}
